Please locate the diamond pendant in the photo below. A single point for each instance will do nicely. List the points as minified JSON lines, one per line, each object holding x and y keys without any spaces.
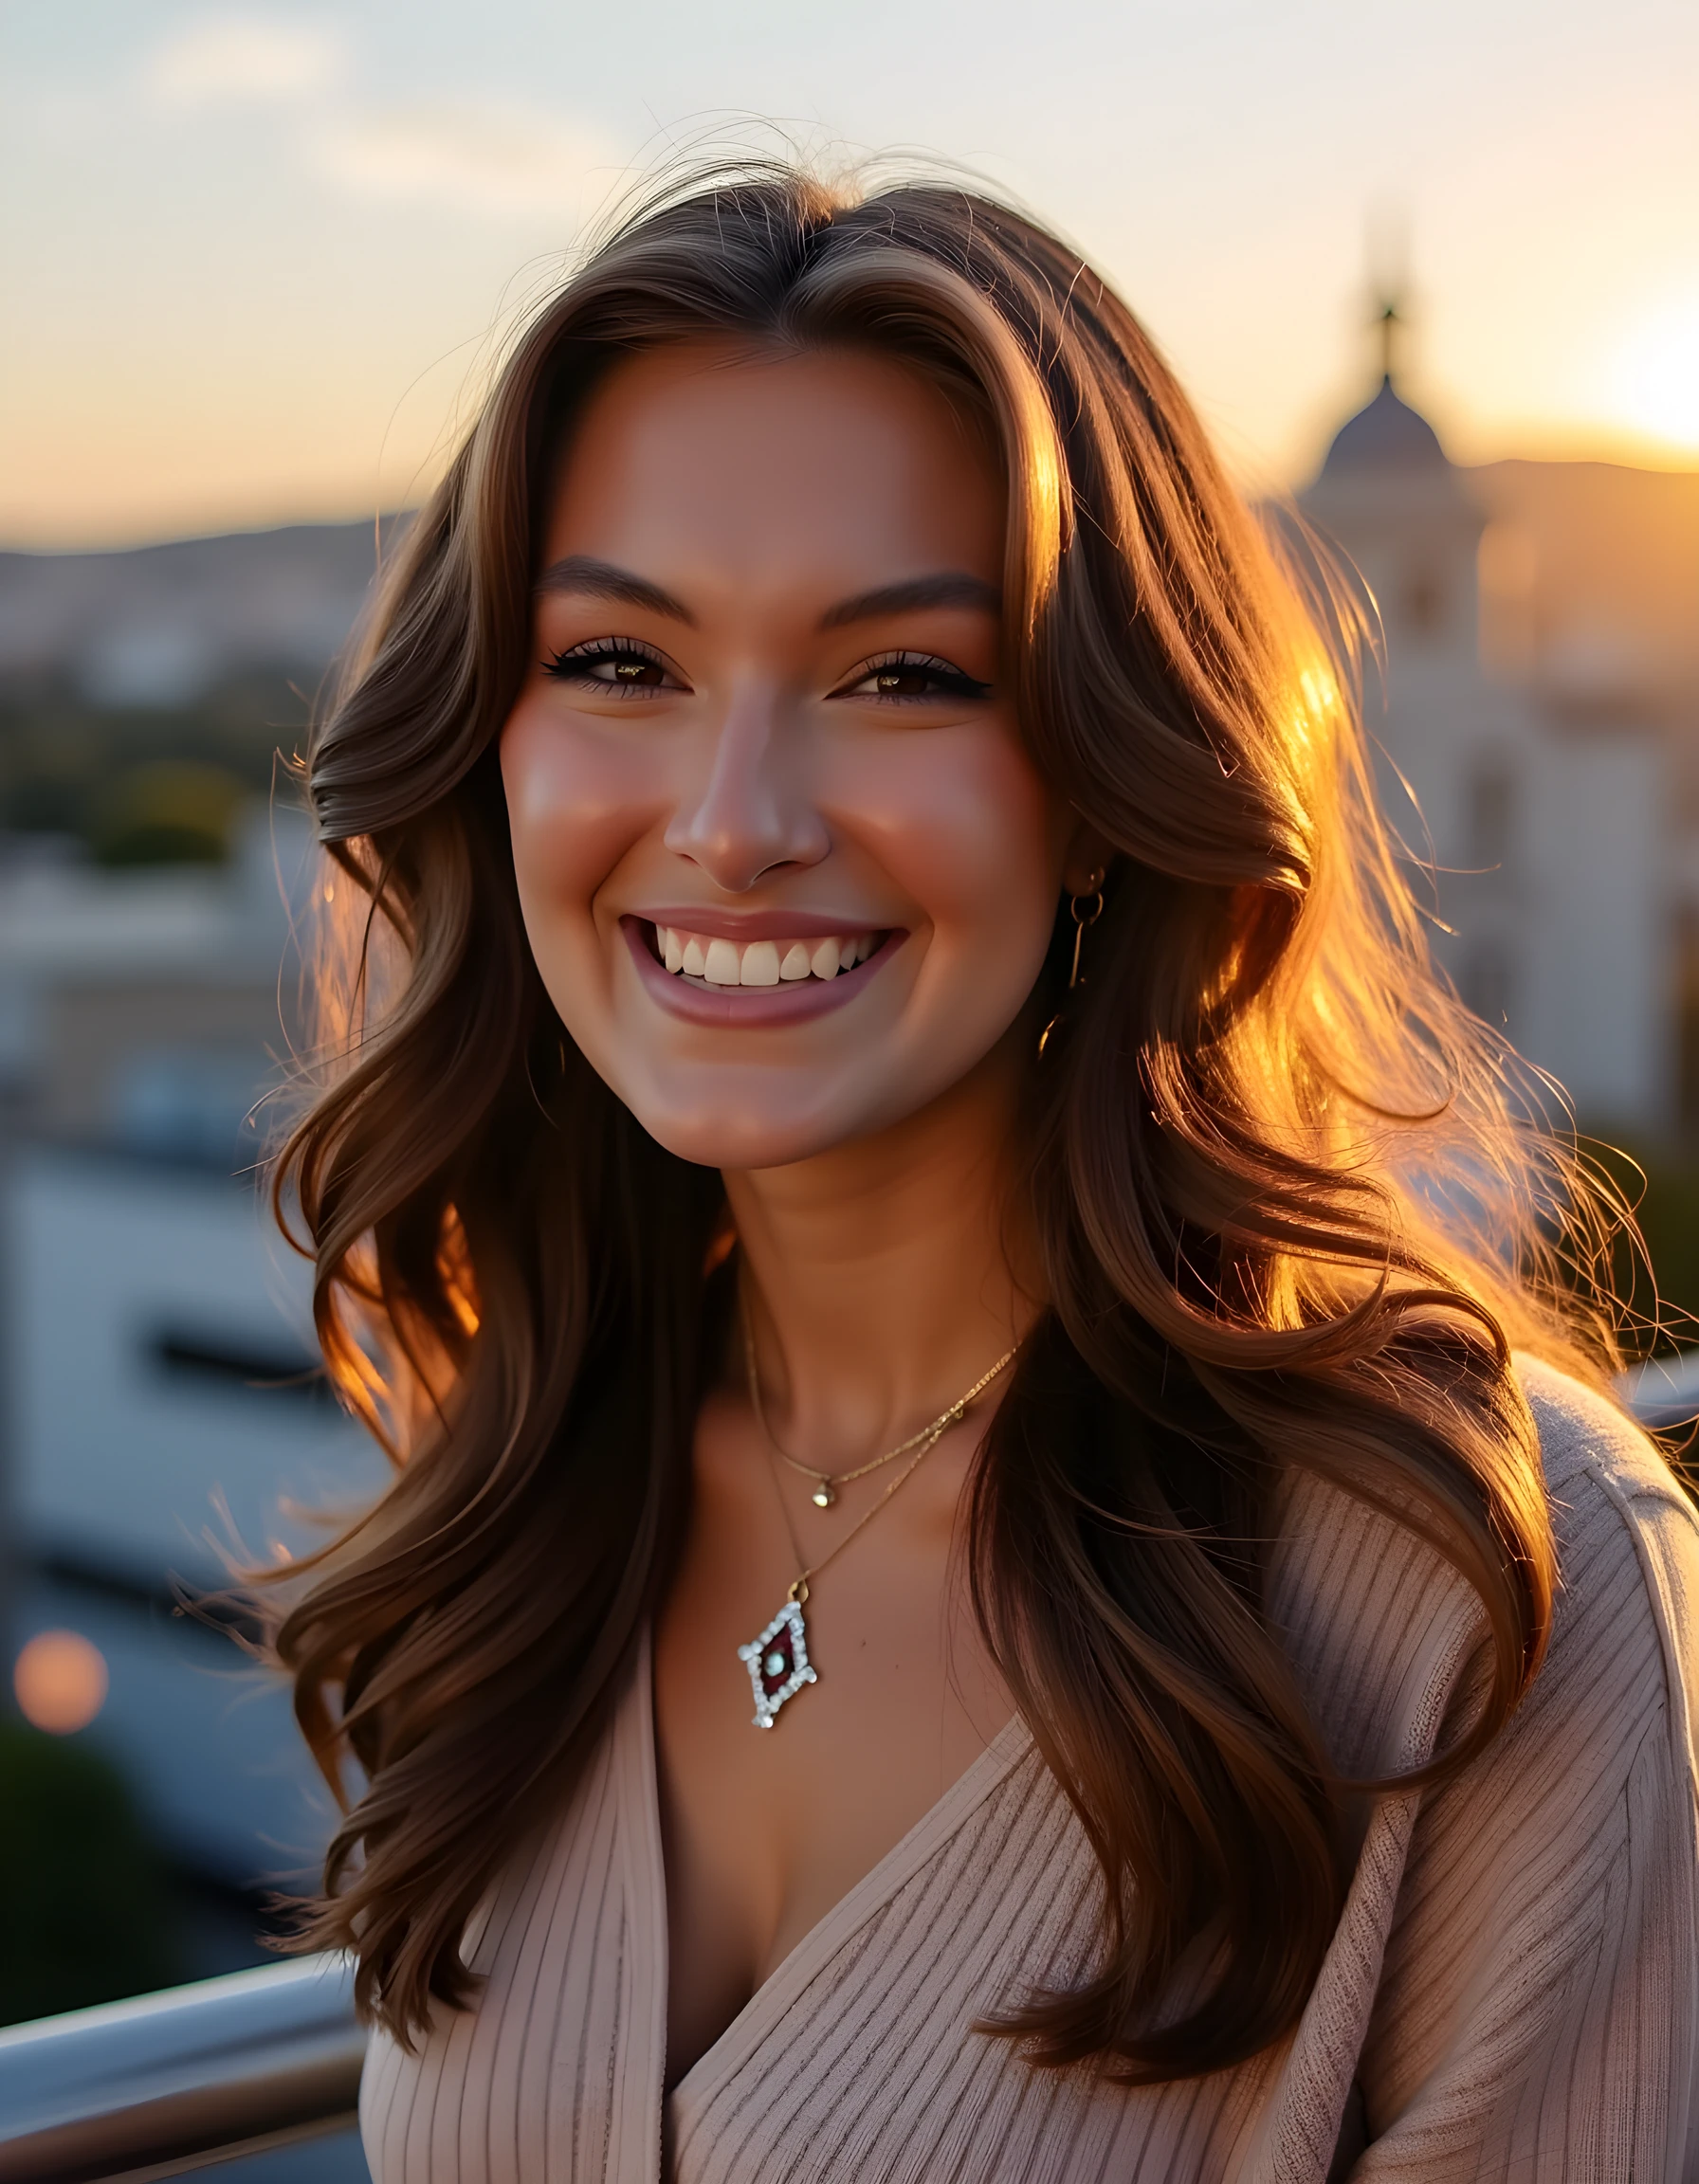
{"x":777,"y":1662}
{"x":824,"y":1495}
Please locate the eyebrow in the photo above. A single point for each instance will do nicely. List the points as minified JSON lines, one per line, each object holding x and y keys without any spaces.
{"x":952,"y":588}
{"x":595,"y":580}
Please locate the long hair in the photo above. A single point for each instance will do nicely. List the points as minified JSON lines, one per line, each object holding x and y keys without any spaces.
{"x":1291,"y":1212}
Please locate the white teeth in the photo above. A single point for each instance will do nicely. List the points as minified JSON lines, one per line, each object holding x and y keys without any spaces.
{"x":723,"y":966}
{"x":761,"y":964}
{"x":723,"y":963}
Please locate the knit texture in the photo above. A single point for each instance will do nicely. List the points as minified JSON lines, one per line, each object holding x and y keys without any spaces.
{"x":1510,"y":1992}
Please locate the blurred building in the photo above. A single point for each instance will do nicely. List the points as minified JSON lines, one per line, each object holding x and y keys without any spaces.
{"x":162,"y":1414}
{"x":1535,"y":757}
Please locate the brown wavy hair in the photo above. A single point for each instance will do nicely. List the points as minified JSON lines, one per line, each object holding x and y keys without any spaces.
{"x":1294,"y":1212}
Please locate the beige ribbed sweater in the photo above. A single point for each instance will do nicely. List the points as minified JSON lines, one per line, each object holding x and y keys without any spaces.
{"x":1510,"y":1992}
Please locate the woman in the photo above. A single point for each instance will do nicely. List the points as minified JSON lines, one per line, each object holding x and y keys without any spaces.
{"x":971,"y":1591}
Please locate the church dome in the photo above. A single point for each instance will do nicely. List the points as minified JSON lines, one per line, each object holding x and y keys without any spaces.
{"x":1386,"y":436}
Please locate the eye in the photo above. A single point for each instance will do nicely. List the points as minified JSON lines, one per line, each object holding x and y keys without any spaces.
{"x":612,"y":664}
{"x":899,"y":676}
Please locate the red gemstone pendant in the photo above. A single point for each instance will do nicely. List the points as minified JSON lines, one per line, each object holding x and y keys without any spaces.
{"x":777,"y":1662}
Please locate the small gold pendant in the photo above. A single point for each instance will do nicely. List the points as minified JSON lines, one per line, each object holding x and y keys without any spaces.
{"x":824,"y":1495}
{"x":777,"y":1662}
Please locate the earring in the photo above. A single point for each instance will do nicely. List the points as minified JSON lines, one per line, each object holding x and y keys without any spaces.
{"x":1085,"y":909}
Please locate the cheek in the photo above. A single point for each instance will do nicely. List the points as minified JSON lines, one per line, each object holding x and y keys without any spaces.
{"x":967,"y":831}
{"x":575,"y":802}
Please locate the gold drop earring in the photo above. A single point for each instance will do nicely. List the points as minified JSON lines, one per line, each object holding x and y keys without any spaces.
{"x":1085,"y":909}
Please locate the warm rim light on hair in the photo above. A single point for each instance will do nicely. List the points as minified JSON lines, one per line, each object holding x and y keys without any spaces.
{"x":60,"y":1682}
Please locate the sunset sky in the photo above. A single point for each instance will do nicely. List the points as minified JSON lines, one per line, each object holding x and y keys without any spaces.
{"x":254,"y":260}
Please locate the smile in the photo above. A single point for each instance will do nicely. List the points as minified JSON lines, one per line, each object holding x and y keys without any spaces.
{"x":762,"y":978}
{"x":720,"y":962}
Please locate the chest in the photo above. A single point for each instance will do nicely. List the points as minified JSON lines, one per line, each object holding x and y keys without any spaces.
{"x":860,"y":2061}
{"x":766,"y":1830}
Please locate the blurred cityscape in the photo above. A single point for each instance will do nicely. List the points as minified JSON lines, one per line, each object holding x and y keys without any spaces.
{"x":158,"y":1405}
{"x":161,"y":1413}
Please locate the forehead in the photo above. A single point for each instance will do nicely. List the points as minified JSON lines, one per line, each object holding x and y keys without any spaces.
{"x":708,"y":464}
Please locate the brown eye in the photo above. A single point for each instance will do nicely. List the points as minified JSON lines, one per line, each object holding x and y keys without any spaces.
{"x":611,"y":664}
{"x":903,"y":681}
{"x":912,"y":675}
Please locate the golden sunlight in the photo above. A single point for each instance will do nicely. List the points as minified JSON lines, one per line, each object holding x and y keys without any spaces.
{"x":1658,"y":374}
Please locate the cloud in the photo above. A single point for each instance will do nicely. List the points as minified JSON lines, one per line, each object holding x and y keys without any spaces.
{"x":500,"y":161}
{"x":229,"y":60}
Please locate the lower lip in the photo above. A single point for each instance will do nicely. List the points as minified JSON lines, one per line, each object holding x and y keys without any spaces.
{"x":752,"y":1004}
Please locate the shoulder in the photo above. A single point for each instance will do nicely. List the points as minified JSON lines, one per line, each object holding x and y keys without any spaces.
{"x":1383,"y":1630}
{"x":1596,"y":1457}
{"x":1625,"y":1624}
{"x":1535,"y":2003}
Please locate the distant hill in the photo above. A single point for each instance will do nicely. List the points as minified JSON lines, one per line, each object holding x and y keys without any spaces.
{"x":160,"y":626}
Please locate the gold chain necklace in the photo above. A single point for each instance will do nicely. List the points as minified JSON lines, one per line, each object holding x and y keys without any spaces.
{"x":777,"y":1661}
{"x":827,"y":1482}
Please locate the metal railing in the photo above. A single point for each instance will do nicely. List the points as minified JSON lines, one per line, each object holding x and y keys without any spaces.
{"x":1664,"y":1393}
{"x":171,"y":2081}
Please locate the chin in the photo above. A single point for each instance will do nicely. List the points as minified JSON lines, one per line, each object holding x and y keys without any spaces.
{"x":710,"y":1139}
{"x":753,"y":1120}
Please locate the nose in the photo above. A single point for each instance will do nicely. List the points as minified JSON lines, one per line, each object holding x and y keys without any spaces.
{"x":749,"y":812}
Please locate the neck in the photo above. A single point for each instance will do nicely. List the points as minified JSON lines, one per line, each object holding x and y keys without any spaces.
{"x":878,"y":1276}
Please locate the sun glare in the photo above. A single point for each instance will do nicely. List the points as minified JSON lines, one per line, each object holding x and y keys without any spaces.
{"x":1657,"y":375}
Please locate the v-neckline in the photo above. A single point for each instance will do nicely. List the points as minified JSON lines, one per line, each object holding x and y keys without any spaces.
{"x":726,"y":2054}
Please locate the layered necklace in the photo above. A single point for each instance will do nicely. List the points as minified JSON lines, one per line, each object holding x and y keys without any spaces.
{"x":777,"y":1660}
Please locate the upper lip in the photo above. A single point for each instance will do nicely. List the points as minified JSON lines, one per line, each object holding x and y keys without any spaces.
{"x":760,"y":924}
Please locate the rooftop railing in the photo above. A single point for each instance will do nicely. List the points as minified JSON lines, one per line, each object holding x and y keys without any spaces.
{"x":227,"y":2071}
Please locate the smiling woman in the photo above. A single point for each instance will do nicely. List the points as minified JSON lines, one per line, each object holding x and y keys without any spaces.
{"x":805,"y":768}
{"x":892,"y":1154}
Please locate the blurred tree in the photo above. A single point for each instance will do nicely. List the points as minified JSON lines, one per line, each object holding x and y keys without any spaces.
{"x":72,"y":768}
{"x":84,"y":1903}
{"x":169,"y":811}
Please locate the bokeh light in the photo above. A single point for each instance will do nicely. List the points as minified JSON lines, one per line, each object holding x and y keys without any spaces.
{"x":60,"y":1682}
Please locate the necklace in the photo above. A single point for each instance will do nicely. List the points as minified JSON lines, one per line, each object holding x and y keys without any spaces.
{"x":827,"y":1482}
{"x":777,"y":1660}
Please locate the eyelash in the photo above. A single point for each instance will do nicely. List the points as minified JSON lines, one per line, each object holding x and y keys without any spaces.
{"x":951,"y":682}
{"x":575,"y":663}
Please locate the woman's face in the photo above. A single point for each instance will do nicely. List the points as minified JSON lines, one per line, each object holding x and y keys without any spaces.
{"x":787,"y":870}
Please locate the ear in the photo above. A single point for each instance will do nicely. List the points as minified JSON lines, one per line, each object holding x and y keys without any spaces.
{"x":1090,"y":856}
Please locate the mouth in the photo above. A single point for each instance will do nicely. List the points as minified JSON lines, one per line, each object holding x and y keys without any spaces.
{"x":708,"y":959}
{"x":772,"y":976}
